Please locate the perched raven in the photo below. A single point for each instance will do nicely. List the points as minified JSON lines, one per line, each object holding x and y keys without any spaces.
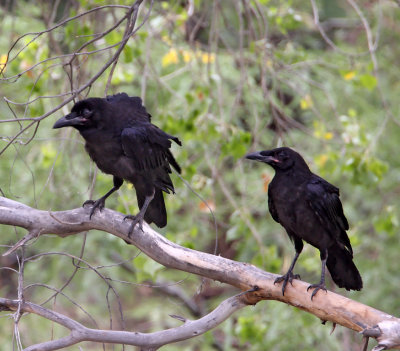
{"x":309,"y":208}
{"x":122,"y":141}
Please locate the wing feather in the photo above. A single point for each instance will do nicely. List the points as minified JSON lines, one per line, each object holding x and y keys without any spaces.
{"x":323,"y":198}
{"x":148,"y":148}
{"x":272,"y":208}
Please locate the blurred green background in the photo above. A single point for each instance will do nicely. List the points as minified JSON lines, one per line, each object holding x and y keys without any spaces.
{"x":225,"y":77}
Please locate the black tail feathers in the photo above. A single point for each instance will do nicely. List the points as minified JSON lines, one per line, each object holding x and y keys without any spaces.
{"x":156,"y":212}
{"x":342,"y":269}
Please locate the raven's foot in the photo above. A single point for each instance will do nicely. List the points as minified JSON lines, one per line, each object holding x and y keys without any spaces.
{"x":135,"y":220}
{"x":317,"y":287}
{"x":95,"y":204}
{"x":288,"y":277}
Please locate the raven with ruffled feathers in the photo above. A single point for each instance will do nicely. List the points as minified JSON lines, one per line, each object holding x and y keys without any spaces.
{"x":122,"y":141}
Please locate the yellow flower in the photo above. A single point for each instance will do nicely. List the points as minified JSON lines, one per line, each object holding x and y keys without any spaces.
{"x":171,"y":57}
{"x":349,"y":75}
{"x":187,"y":56}
{"x":3,"y":63}
{"x":306,"y":102}
{"x":166,"y":39}
{"x":207,"y":58}
{"x":328,"y":135}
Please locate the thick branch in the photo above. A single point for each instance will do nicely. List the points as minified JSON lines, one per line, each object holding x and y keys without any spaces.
{"x":151,"y":341}
{"x":326,"y":306}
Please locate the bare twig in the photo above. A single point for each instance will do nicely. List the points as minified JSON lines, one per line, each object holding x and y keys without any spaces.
{"x":325,"y":36}
{"x":153,"y":341}
{"x":131,"y":17}
{"x":38,"y":34}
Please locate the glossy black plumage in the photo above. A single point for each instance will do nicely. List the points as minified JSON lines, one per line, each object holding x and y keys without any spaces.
{"x":309,"y":208}
{"x":122,"y":141}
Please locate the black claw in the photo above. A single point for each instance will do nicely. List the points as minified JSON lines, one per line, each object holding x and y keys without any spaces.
{"x":316,"y":287}
{"x":284,"y":287}
{"x":138,"y":219}
{"x":95,"y":204}
{"x":288,"y":277}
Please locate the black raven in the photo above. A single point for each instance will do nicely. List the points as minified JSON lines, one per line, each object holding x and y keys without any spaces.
{"x":122,"y":141}
{"x":309,"y":208}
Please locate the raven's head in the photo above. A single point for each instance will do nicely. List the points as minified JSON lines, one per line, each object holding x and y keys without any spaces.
{"x":282,"y":158}
{"x":85,"y":114}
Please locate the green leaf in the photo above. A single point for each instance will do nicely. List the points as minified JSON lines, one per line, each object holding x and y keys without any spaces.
{"x":128,"y":54}
{"x":387,"y":222}
{"x":146,"y":268}
{"x":368,"y":81}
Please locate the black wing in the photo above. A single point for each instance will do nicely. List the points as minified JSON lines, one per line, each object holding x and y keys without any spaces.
{"x":272,"y":208}
{"x":130,"y":105}
{"x":148,"y":148}
{"x":323,"y":198}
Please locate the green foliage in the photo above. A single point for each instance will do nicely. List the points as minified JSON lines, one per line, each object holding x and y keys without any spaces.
{"x":387,"y":222}
{"x":146,"y":268}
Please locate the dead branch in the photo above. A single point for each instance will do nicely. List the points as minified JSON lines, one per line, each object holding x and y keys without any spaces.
{"x":326,"y":306}
{"x":148,"y":341}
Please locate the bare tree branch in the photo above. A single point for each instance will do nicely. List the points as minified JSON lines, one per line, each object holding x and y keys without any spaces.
{"x":151,"y":341}
{"x":38,"y":34}
{"x":328,"y":307}
{"x":326,"y":37}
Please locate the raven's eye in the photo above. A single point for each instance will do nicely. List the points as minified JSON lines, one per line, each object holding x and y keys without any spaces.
{"x":86,"y":112}
{"x":282,"y":155}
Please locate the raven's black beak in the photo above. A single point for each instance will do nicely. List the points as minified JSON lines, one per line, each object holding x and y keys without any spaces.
{"x":258,"y":156}
{"x":71,"y":120}
{"x":254,"y":156}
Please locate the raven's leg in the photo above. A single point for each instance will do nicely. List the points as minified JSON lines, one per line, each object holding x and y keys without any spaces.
{"x":101,"y":202}
{"x":321,"y":284}
{"x":289,"y":276}
{"x":140,"y":216}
